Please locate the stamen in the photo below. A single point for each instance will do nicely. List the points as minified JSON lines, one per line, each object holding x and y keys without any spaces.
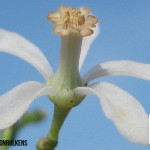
{"x":73,"y":20}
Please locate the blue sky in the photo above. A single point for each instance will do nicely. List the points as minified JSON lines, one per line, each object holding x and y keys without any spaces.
{"x":125,"y":34}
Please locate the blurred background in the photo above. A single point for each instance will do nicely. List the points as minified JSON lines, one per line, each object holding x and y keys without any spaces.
{"x":124,"y":35}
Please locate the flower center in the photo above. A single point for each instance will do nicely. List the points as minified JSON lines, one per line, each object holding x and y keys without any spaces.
{"x":76,"y":19}
{"x":72,"y":18}
{"x":68,"y":19}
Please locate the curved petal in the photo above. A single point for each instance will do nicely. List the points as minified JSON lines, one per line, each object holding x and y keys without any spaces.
{"x":86,"y":43}
{"x":123,"y":109}
{"x":122,"y":67}
{"x":17,"y":45}
{"x":15,"y":102}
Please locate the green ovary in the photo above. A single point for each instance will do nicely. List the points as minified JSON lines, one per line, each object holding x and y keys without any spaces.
{"x":66,"y":99}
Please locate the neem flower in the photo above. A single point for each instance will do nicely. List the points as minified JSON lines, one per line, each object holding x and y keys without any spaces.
{"x":66,"y":88}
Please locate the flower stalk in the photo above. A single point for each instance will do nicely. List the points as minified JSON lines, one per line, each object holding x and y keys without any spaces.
{"x":50,"y":142}
{"x":7,"y":134}
{"x":28,"y":118}
{"x":59,"y":117}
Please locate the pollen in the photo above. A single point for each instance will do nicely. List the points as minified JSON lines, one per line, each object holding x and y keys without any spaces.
{"x":69,"y":20}
{"x":76,"y":19}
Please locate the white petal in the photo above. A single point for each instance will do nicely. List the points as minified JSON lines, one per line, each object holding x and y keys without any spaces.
{"x":17,"y":45}
{"x":122,"y":67}
{"x":123,"y":109}
{"x":86,"y":43}
{"x":15,"y":102}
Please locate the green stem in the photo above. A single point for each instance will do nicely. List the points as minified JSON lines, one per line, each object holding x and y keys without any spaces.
{"x":7,"y":134}
{"x":60,"y":115}
{"x":11,"y":132}
{"x":51,"y":141}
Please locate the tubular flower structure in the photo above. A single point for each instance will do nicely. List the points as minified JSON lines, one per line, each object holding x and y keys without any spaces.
{"x":66,"y":88}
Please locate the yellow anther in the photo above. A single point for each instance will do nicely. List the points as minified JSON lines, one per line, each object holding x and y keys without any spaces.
{"x":68,"y":20}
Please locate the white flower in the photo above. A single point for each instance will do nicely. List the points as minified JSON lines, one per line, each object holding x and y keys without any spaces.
{"x":65,"y":87}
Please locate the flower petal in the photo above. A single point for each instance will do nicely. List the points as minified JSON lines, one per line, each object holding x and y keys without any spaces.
{"x":17,"y":45}
{"x":123,"y":109}
{"x":86,"y":43}
{"x":122,"y":67}
{"x":15,"y":102}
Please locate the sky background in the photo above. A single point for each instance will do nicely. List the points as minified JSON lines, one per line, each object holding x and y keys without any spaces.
{"x":125,"y":34}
